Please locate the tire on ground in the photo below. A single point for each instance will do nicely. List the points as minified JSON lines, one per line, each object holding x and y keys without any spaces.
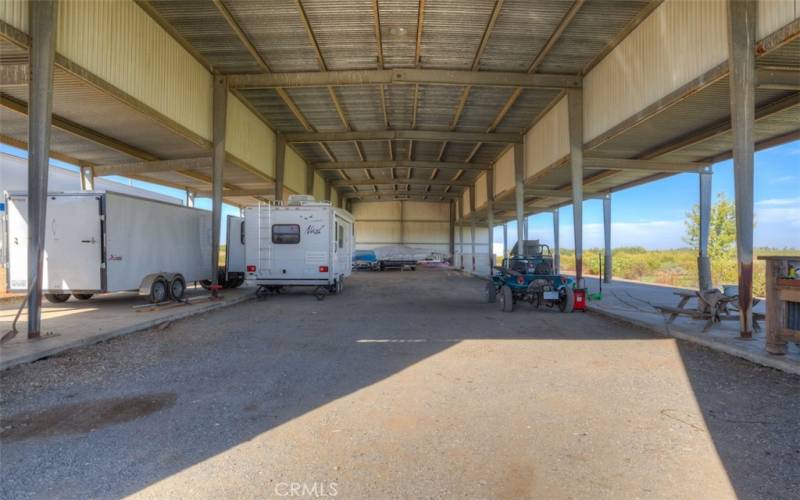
{"x":159,"y":291}
{"x":83,"y":296}
{"x":56,"y":298}
{"x":506,"y":299}
{"x":491,"y":293}
{"x":566,"y":299}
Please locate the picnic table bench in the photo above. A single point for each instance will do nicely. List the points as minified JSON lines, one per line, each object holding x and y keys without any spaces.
{"x":723,"y":310}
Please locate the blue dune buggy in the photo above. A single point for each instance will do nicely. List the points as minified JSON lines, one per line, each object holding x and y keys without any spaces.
{"x":528,"y":276}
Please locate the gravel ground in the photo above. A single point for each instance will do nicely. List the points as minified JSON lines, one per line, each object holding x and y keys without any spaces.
{"x":407,"y":385}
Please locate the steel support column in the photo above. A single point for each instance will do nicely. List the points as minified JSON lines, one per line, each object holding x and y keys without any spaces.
{"x":519,"y":184}
{"x":703,"y":261}
{"x":607,"y":264}
{"x":460,"y":217}
{"x":327,"y":190}
{"x":575,"y":105}
{"x":452,"y":230}
{"x":556,"y":243}
{"x":741,"y":63}
{"x":189,"y":198}
{"x":280,"y":162}
{"x":525,"y":228}
{"x":490,"y":216}
{"x":472,"y":224}
{"x":87,"y":178}
{"x":505,"y":240}
{"x":42,"y":15}
{"x":219,"y":114}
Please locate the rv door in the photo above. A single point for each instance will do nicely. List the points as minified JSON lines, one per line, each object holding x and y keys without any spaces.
{"x":234,"y":246}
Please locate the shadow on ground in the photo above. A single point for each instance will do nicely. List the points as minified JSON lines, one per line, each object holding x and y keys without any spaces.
{"x":221,"y":379}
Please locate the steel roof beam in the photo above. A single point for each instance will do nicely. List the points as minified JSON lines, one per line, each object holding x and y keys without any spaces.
{"x":403,"y":135}
{"x":778,"y":78}
{"x":597,"y":163}
{"x":390,"y":192}
{"x":238,"y":192}
{"x":355,"y":165}
{"x":403,"y":76}
{"x":144,"y":167}
{"x":413,"y":182}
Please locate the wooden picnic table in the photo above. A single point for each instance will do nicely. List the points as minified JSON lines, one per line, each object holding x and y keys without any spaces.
{"x":703,"y":312}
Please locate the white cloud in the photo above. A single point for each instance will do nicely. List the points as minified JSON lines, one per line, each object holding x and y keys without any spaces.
{"x":779,"y":202}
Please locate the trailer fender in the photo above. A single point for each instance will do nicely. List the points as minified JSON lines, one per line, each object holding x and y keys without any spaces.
{"x":147,"y":282}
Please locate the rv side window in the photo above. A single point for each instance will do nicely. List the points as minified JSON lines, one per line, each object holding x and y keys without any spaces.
{"x":340,"y":236}
{"x":285,"y":234}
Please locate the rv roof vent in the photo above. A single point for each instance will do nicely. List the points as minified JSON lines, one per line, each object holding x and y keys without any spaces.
{"x":301,"y":199}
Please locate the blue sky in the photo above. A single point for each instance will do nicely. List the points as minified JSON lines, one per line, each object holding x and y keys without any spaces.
{"x":651,"y":215}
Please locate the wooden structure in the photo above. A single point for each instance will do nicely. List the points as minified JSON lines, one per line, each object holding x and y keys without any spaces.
{"x":783,"y":304}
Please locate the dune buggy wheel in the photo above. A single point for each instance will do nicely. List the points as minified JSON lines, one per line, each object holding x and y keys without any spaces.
{"x":506,"y":299}
{"x":491,"y":293}
{"x":566,"y":299}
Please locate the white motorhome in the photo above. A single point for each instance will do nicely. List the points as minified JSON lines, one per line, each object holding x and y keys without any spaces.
{"x":108,"y":242}
{"x":302,"y":243}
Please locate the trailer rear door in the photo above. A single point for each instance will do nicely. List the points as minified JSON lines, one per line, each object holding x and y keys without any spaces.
{"x":234,"y":245}
{"x":73,"y":243}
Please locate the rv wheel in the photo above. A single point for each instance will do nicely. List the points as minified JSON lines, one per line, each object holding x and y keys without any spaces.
{"x":177,"y":289}
{"x":56,"y":298}
{"x":159,"y":291}
{"x":321,"y":292}
{"x":83,"y":296}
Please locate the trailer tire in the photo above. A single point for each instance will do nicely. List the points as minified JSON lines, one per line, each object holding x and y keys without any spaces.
{"x":56,"y":298}
{"x":506,"y":299}
{"x":491,"y":293}
{"x":177,"y":288}
{"x":83,"y":296}
{"x":159,"y":291}
{"x":566,"y":299}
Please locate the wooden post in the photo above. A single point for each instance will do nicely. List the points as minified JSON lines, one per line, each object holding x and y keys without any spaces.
{"x":741,"y":63}
{"x":703,"y":261}
{"x":575,"y":105}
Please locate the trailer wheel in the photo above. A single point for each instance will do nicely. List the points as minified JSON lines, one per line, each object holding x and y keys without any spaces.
{"x":56,"y":298}
{"x":159,"y":291}
{"x":491,"y":293}
{"x":321,"y":292}
{"x":566,"y":299}
{"x":506,"y":299}
{"x":177,"y":288}
{"x":83,"y":296}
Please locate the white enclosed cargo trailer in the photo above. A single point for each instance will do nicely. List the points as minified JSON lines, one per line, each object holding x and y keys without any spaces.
{"x":110,"y":242}
{"x":303,"y":243}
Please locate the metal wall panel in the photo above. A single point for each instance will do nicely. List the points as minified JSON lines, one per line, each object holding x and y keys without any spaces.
{"x":426,"y":211}
{"x":465,"y":208}
{"x":370,"y":234}
{"x":294,"y":173}
{"x":548,"y":140}
{"x":121,"y":44}
{"x":15,"y":13}
{"x":504,"y":172}
{"x":416,"y":233}
{"x":775,"y":14}
{"x":386,"y":210}
{"x":319,"y":187}
{"x":480,"y":190}
{"x":678,"y":42}
{"x":248,"y":138}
